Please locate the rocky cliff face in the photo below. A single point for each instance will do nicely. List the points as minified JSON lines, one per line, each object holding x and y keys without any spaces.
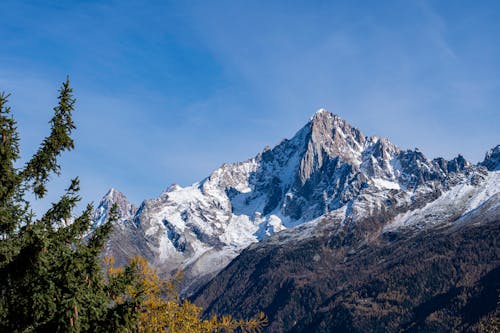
{"x":492,"y":159}
{"x":329,"y":168}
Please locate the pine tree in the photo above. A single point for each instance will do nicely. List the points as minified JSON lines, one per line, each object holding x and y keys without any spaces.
{"x":50,"y":273}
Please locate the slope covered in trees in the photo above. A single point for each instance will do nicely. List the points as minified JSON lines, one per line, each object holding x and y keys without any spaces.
{"x":442,"y":279}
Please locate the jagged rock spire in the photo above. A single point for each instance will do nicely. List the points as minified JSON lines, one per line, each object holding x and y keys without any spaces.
{"x":126,"y":210}
{"x":492,"y":159}
{"x":330,"y":136}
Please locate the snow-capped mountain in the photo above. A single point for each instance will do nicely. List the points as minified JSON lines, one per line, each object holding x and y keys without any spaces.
{"x":126,"y":210}
{"x":329,"y":168}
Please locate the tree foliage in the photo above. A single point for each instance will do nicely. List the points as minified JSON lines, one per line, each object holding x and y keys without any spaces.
{"x":161,"y":310}
{"x":50,"y":273}
{"x":491,"y":323}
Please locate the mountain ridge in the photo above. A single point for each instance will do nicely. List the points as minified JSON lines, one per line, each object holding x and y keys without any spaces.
{"x":327,"y":166}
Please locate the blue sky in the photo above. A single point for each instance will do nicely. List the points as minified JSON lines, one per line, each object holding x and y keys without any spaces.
{"x":168,"y":91}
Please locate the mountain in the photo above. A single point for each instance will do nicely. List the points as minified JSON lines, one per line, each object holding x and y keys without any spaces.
{"x":328,"y":173}
{"x":431,"y":269}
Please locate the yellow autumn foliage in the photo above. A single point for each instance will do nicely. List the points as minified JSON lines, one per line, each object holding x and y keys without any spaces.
{"x":161,"y":310}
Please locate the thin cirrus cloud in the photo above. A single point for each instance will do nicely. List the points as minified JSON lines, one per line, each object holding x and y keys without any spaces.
{"x":168,"y":91}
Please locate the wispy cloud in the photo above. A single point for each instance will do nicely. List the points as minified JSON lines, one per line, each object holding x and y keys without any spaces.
{"x":169,"y":91}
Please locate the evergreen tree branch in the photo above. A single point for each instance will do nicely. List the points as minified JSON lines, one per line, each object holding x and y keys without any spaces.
{"x":45,"y":161}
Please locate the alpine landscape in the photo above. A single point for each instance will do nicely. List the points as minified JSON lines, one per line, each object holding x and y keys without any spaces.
{"x":328,"y":231}
{"x":234,"y":166}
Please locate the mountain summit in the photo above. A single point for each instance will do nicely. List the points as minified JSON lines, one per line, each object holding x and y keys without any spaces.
{"x":327,"y":168}
{"x":126,"y":210}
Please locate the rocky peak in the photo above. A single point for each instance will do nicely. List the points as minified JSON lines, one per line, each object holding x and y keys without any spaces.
{"x":492,"y":159}
{"x":126,"y":210}
{"x":330,"y":137}
{"x":335,"y":135}
{"x":457,"y":164}
{"x":377,"y":158}
{"x":173,"y":187}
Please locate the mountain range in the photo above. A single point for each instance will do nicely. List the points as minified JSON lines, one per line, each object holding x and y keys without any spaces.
{"x":313,"y":230}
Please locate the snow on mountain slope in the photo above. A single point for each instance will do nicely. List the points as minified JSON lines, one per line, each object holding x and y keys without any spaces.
{"x":452,"y":204}
{"x":328,"y":167}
